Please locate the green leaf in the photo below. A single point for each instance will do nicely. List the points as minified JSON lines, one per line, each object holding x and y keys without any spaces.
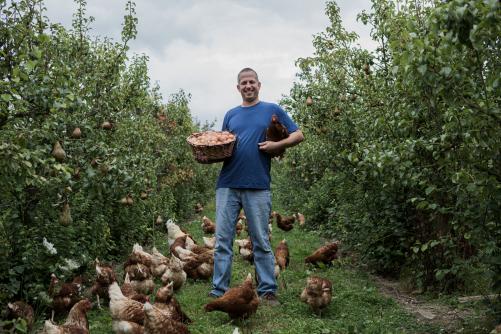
{"x":446,"y":71}
{"x":429,"y":190}
{"x":6,"y":97}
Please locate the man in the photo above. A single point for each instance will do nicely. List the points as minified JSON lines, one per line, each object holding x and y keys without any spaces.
{"x":244,"y":182}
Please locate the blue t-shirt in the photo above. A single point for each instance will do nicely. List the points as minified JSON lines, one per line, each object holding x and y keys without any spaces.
{"x":249,"y":167}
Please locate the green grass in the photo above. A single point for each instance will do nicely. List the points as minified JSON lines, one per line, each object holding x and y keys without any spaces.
{"x":356,"y":305}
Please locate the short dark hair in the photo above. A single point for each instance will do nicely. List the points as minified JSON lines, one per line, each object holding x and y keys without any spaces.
{"x":246,"y":69}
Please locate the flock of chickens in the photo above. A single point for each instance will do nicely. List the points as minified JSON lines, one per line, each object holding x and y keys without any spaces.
{"x":130,"y":306}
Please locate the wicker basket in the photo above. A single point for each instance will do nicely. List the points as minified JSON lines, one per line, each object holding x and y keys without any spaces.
{"x":208,"y":154}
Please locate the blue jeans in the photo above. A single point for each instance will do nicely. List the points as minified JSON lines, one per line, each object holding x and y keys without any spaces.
{"x":257,"y":207}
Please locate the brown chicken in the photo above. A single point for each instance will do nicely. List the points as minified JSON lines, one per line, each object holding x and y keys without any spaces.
{"x":239,"y":227}
{"x":160,"y":322}
{"x":174,"y":273}
{"x":76,"y":322}
{"x":104,"y":277}
{"x":208,"y":225}
{"x":165,"y":300}
{"x":178,"y":242}
{"x":197,"y":266}
{"x":276,"y":132}
{"x":245,"y":249}
{"x":23,"y":310}
{"x":64,"y":295}
{"x":300,"y":218}
{"x":123,"y":308}
{"x":199,"y":208}
{"x":238,"y":302}
{"x":159,"y":263}
{"x":317,"y":293}
{"x":127,"y":327}
{"x":285,"y":223}
{"x":129,"y":291}
{"x":282,"y":255}
{"x":209,"y":242}
{"x":325,"y":254}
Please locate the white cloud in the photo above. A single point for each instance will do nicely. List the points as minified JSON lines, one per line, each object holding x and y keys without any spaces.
{"x":199,"y":46}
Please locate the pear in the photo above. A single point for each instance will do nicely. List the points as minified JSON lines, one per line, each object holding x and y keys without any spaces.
{"x":129,"y":200}
{"x":106,"y":125}
{"x":144,"y":195}
{"x":309,"y":101}
{"x":76,"y":134}
{"x":58,"y":152}
{"x":65,"y":216}
{"x":123,"y":200}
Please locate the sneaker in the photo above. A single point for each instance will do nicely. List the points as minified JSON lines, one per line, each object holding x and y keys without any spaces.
{"x":269,"y":299}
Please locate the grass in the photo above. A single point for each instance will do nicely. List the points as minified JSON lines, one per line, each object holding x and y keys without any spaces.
{"x":356,"y":306}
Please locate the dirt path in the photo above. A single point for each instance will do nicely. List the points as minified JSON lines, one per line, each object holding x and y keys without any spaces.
{"x":448,"y":318}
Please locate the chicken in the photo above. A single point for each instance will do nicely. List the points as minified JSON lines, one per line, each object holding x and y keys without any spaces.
{"x":23,"y":310}
{"x":300,"y":218}
{"x":174,"y":273}
{"x":138,"y":255}
{"x":159,"y":263}
{"x":208,"y":225}
{"x":127,"y":327}
{"x":276,"y":132}
{"x":123,"y":308}
{"x":64,"y":295}
{"x":104,"y":277}
{"x":317,"y":293}
{"x":129,"y":291}
{"x":136,"y":270}
{"x":76,"y":322}
{"x":282,"y":256}
{"x":209,"y":242}
{"x":174,"y":232}
{"x":165,"y":300}
{"x":160,"y":322}
{"x":239,"y":226}
{"x":238,"y":302}
{"x":285,"y":223}
{"x":179,"y":242}
{"x":325,"y":254}
{"x":245,"y":249}
{"x":197,"y":266}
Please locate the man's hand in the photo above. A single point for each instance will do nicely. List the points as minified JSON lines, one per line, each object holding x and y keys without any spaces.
{"x":271,"y":147}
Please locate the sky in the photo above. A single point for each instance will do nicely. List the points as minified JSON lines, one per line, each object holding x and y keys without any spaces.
{"x":200,"y":46}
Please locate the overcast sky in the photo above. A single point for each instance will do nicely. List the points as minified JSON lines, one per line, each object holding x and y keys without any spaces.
{"x":199,"y":46}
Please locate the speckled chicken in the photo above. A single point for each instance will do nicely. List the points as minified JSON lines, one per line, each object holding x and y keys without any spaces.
{"x":105,"y":275}
{"x":64,"y":295}
{"x":317,"y":293}
{"x":325,"y":254}
{"x":165,"y":300}
{"x":21,"y":309}
{"x":124,"y":308}
{"x":160,"y":322}
{"x":174,"y":273}
{"x":238,"y":302}
{"x":76,"y":322}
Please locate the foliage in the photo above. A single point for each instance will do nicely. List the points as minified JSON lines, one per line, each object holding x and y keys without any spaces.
{"x":59,"y":212}
{"x":404,"y":140}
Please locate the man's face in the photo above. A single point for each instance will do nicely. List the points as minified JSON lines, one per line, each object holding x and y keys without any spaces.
{"x":248,"y":86}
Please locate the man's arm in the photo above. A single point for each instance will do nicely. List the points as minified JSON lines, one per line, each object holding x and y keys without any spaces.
{"x":273,"y":146}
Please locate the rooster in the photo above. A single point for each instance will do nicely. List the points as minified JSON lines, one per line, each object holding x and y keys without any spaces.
{"x":238,"y":302}
{"x":208,"y":225}
{"x":160,"y":322}
{"x":166,"y":301}
{"x":325,"y":254}
{"x":276,"y":132}
{"x":124,"y":308}
{"x":317,"y":293}
{"x":285,"y":223}
{"x":104,"y":277}
{"x":76,"y":322}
